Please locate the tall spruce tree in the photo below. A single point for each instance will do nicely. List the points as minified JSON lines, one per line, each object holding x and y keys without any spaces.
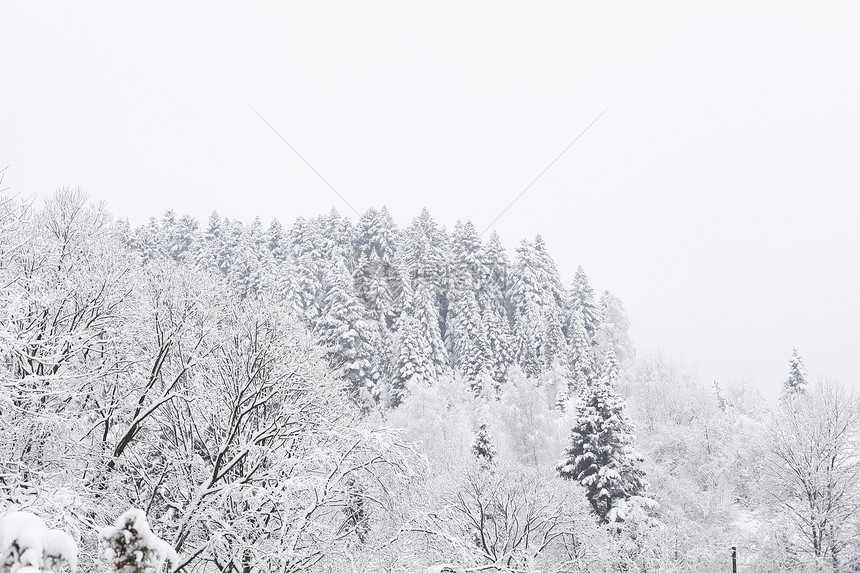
{"x":581,"y":300}
{"x":583,"y":366}
{"x":554,"y":294}
{"x":425,"y":309}
{"x":413,"y":365}
{"x":600,"y":455}
{"x":377,"y":279}
{"x":796,"y":383}
{"x":465,"y":325}
{"x":528,"y":299}
{"x":350,"y":338}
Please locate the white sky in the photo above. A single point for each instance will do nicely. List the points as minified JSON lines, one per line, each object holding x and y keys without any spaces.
{"x":718,"y":196}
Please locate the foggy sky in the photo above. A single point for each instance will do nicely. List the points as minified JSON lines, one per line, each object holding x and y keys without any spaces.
{"x":717,"y":196}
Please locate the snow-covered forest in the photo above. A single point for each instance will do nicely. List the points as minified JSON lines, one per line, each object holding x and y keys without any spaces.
{"x":365,"y":395}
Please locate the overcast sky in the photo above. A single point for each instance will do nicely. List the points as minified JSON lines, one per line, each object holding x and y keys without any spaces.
{"x":717,"y":196}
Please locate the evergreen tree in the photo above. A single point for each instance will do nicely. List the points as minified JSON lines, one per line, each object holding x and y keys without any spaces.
{"x":277,"y":241}
{"x":536,"y":302}
{"x":554,"y":346}
{"x":495,"y":261}
{"x":350,"y":337}
{"x":304,"y":272}
{"x":583,"y":367}
{"x":526,"y":300}
{"x":377,"y":280}
{"x":130,"y":547}
{"x":425,"y":309}
{"x":610,"y":370}
{"x":583,"y":322}
{"x":467,"y":257}
{"x":796,"y":383}
{"x":554,"y":295}
{"x":466,"y":328}
{"x":483,"y":448}
{"x":581,"y":301}
{"x":600,"y":455}
{"x":414,"y":364}
{"x":427,"y":254}
{"x":499,"y":352}
{"x":468,"y":338}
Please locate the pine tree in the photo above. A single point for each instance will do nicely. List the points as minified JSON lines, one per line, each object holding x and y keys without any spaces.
{"x":600,"y":455}
{"x":130,"y":546}
{"x":425,"y":309}
{"x":304,"y":272}
{"x":526,"y":299}
{"x":611,"y":371}
{"x":499,"y":351}
{"x":497,"y":265}
{"x":583,"y":368}
{"x":796,"y":383}
{"x":465,"y":326}
{"x":467,"y":257}
{"x":468,"y":338}
{"x":427,"y":253}
{"x":350,"y":337}
{"x":550,"y":278}
{"x":277,"y":241}
{"x":581,"y":300}
{"x":536,"y":302}
{"x":554,"y":346}
{"x":377,"y":278}
{"x":414,"y":365}
{"x":483,"y":448}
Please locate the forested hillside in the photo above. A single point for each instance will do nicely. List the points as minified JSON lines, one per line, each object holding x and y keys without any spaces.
{"x":357,"y":395}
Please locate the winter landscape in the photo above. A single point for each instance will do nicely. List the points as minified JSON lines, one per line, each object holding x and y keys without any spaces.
{"x":343,"y":395}
{"x":449,"y":287}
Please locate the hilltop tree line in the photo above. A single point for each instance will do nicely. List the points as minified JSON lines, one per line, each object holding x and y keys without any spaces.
{"x":395,"y":307}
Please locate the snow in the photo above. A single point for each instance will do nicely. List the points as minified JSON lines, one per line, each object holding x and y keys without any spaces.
{"x":28,"y":546}
{"x":440,"y":569}
{"x":129,"y":537}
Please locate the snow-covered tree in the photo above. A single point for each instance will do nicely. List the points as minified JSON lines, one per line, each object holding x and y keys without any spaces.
{"x":581,"y":301}
{"x":27,"y":545}
{"x":814,"y":474}
{"x":425,"y":311}
{"x":610,"y":371}
{"x":528,"y":421}
{"x":483,"y":447}
{"x":129,"y":546}
{"x":350,"y":337}
{"x":377,"y":279}
{"x":583,"y":364}
{"x":536,"y":301}
{"x":796,"y":383}
{"x":413,"y":365}
{"x":469,"y":341}
{"x":601,"y":456}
